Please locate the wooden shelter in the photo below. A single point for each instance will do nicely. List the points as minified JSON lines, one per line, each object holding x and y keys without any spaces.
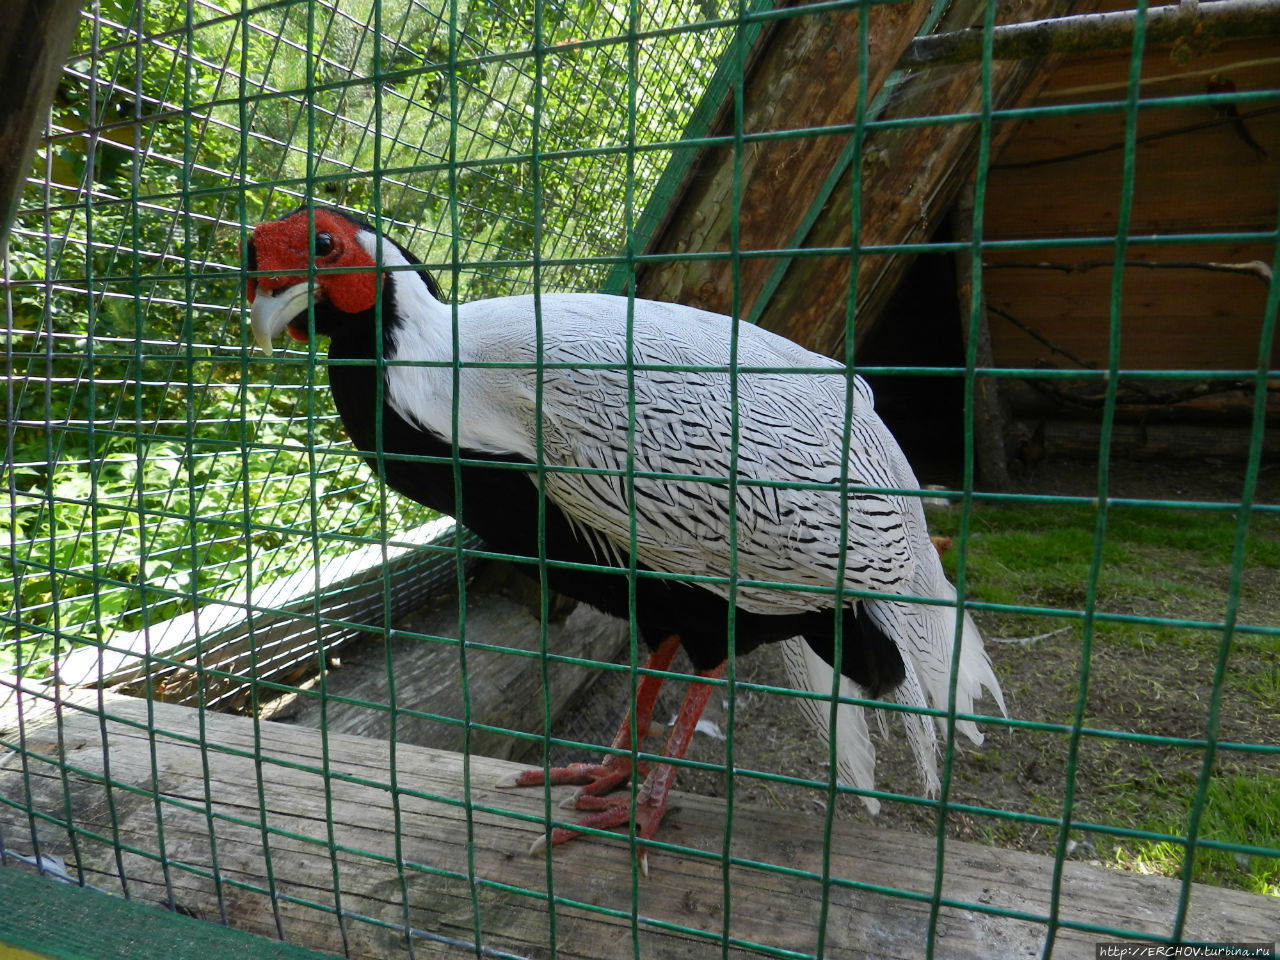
{"x":1199,"y":229}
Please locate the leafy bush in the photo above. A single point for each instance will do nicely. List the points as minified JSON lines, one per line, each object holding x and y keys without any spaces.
{"x":156,"y":462}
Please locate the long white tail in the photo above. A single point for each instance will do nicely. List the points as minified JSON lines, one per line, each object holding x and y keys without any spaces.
{"x":924,"y":635}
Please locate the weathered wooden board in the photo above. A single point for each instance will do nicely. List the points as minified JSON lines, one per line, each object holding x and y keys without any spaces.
{"x":260,"y":824}
{"x":1194,"y":172}
{"x":1111,"y":30}
{"x":1061,"y":177}
{"x":908,"y":178}
{"x":504,"y":677}
{"x":806,"y":76}
{"x":1171,"y":319}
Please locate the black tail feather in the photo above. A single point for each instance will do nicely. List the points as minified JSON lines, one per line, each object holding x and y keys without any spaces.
{"x":869,"y":657}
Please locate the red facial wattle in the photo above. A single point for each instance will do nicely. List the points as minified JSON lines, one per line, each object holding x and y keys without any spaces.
{"x":286,"y":245}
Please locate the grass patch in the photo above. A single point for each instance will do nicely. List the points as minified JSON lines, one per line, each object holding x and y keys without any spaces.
{"x":1164,"y":570}
{"x":1166,"y":563}
{"x":1243,"y":810}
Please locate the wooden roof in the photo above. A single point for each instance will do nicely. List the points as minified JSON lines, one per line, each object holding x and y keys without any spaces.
{"x":1053,"y":177}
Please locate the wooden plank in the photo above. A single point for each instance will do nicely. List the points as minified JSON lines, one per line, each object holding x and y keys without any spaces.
{"x":1163,"y":24}
{"x":806,"y":77}
{"x":400,"y":854}
{"x":1061,"y":177}
{"x":909,"y":177}
{"x":1203,"y":181}
{"x":709,"y":117}
{"x":1194,"y":172}
{"x":1172,"y":319}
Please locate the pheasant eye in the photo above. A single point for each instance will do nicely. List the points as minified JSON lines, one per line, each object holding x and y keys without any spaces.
{"x":324,"y":244}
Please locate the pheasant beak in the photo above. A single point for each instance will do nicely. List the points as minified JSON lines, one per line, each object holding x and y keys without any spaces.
{"x":274,"y":310}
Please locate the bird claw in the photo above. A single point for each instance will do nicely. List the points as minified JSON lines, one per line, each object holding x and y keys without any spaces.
{"x":571,"y":802}
{"x":605,"y":813}
{"x":594,"y":779}
{"x":590,"y":802}
{"x":598,"y":779}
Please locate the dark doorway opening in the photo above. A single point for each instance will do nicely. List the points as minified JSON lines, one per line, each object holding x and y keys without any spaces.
{"x":921,"y":331}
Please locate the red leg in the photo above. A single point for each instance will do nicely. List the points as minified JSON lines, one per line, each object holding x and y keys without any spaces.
{"x":651,"y":799}
{"x":599,"y":778}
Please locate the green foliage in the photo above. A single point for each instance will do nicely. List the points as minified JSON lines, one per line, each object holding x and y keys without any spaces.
{"x":154,"y":461}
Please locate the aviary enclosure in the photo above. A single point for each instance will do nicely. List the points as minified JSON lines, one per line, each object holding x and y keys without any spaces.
{"x":242,"y":680}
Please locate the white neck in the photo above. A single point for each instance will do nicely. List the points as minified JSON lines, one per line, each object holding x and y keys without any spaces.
{"x":424,"y":323}
{"x":420,"y":351}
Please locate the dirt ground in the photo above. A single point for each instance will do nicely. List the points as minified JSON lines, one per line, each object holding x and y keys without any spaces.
{"x":1135,"y":685}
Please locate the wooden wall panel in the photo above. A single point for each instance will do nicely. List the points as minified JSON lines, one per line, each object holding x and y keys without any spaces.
{"x":1195,"y":174}
{"x":1170,"y":318}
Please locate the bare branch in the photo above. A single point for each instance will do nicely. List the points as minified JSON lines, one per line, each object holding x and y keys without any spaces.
{"x":1252,"y":268}
{"x":1027,"y":641}
{"x":1041,"y":338}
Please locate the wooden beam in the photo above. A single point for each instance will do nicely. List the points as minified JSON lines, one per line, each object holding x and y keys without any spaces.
{"x":713,"y":110}
{"x":909,"y":177}
{"x":440,"y":854}
{"x":1202,"y":22}
{"x":35,"y":36}
{"x":806,"y":77}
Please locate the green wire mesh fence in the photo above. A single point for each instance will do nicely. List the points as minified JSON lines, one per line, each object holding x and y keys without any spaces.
{"x":189,"y":520}
{"x":164,"y":92}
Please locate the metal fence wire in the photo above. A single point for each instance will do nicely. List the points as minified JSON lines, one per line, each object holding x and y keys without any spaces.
{"x":187,"y":518}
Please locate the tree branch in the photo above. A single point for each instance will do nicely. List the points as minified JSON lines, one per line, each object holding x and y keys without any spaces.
{"x":1218,"y":20}
{"x":1252,"y":268}
{"x":1041,"y":338}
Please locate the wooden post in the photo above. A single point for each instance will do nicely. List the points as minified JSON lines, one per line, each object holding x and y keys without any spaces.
{"x":35,"y":36}
{"x":1216,"y":22}
{"x":988,"y":415}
